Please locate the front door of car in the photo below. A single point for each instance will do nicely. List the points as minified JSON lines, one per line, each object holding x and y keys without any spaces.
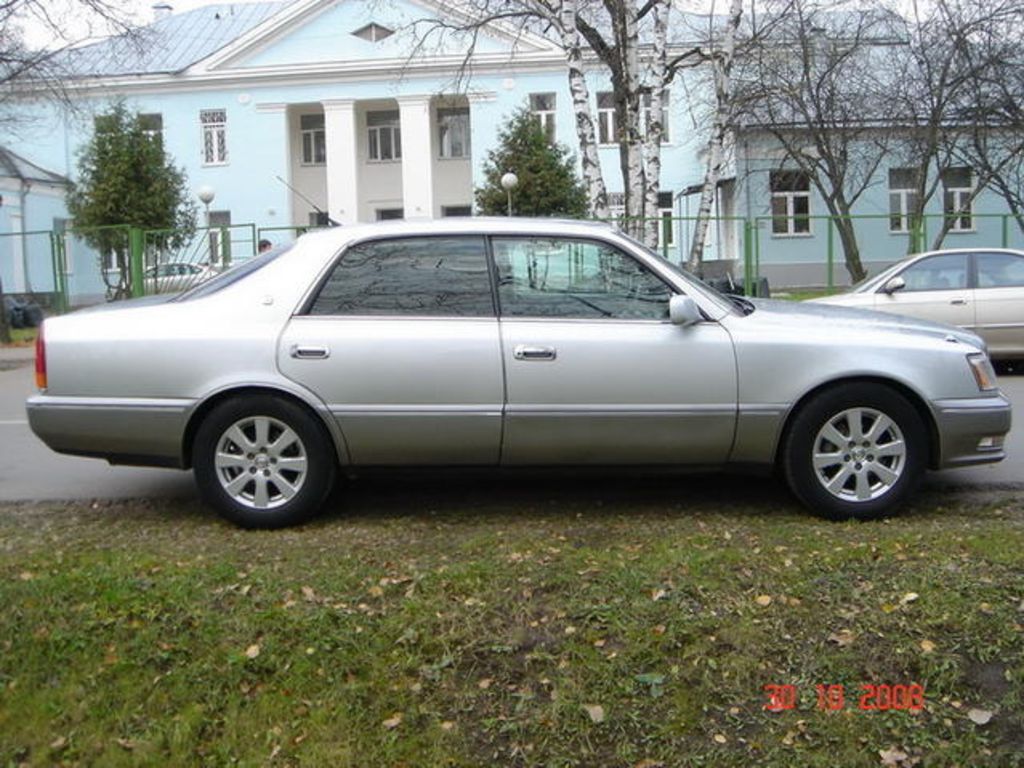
{"x":595,"y":372}
{"x":401,"y":342}
{"x":936,"y":288}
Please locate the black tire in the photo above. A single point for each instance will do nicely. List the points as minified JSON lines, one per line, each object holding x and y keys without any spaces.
{"x":309,"y":446}
{"x":873,"y":468}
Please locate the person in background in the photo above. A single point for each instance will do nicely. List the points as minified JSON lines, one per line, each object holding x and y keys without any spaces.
{"x":264,"y":246}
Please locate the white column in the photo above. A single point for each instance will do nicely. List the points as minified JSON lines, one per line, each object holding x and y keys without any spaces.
{"x":278,"y":149}
{"x":417,"y":157}
{"x":342,"y":160}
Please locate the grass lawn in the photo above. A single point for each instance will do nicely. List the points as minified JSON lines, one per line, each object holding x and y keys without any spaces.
{"x":23,"y":337}
{"x":599,"y":623}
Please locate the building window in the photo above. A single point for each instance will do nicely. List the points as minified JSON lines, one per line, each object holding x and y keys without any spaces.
{"x":791,"y":202}
{"x":958,"y":198}
{"x":903,"y":199}
{"x":314,"y":139}
{"x":384,"y":136}
{"x":215,"y":140}
{"x":664,"y":115}
{"x":542,"y":106}
{"x":373,"y":33}
{"x":389,"y":214}
{"x":152,"y":125}
{"x":453,"y":132}
{"x":219,"y":250}
{"x":666,"y":224}
{"x":456,"y":210}
{"x":607,"y":125}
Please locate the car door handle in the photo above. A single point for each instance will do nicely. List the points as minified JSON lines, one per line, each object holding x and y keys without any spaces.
{"x":301,"y":352}
{"x":527,"y":352}
{"x":958,"y":302}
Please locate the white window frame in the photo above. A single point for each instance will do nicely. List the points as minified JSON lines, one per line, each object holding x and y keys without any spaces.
{"x":313,"y":139}
{"x":393,"y":127}
{"x":214,"y":126}
{"x":790,"y":217}
{"x":960,"y":195}
{"x":450,"y":122}
{"x":903,"y":195}
{"x":607,"y":123}
{"x":668,"y":213}
{"x":545,"y":117}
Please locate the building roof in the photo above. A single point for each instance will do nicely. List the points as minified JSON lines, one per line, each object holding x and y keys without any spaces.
{"x":170,"y":44}
{"x":14,"y":166}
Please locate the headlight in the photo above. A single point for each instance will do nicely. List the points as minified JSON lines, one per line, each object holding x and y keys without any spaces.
{"x":981,"y":367}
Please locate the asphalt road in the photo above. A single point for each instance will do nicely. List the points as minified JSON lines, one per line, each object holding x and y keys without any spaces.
{"x":29,"y":471}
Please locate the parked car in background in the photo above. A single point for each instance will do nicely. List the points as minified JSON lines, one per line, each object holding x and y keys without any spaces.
{"x":980,"y":289}
{"x":174,"y":277}
{"x":505,"y":342}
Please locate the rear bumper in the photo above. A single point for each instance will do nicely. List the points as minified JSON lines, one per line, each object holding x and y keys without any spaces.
{"x":971,"y":430}
{"x":146,"y":432}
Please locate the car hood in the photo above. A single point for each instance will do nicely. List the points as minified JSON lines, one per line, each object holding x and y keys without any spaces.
{"x":806,"y":313}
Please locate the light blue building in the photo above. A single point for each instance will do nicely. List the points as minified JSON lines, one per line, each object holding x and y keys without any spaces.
{"x":295,"y":112}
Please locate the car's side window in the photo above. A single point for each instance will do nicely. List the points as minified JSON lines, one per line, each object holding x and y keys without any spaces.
{"x":1000,"y":270}
{"x":937,"y":273}
{"x":560,"y":277}
{"x":432,"y":276}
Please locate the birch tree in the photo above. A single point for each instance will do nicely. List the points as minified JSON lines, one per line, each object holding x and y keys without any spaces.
{"x":720,"y":59}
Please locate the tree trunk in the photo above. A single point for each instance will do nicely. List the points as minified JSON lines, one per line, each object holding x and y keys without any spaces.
{"x":721,"y":64}
{"x":5,"y":329}
{"x":655,"y":125}
{"x":590,"y":162}
{"x":851,"y":251}
{"x":626,"y":77}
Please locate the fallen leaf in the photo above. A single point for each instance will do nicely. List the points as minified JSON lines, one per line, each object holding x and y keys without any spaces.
{"x":447,"y":725}
{"x":308,"y":594}
{"x":599,"y":643}
{"x":484,"y":684}
{"x":909,"y":598}
{"x":659,"y":630}
{"x":58,"y":744}
{"x":376,"y":591}
{"x":979,"y":716}
{"x":842,"y":638}
{"x":720,"y":738}
{"x":648,"y":763}
{"x":595,"y":712}
{"x":393,"y":722}
{"x":892,"y":756}
{"x":252,"y":651}
{"x":927,"y":646}
{"x":658,"y":594}
{"x":26,"y":576}
{"x":126,"y":744}
{"x":763,"y":600}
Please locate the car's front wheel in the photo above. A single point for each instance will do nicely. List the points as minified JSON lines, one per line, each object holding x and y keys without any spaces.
{"x":263,"y":462}
{"x":855,"y":451}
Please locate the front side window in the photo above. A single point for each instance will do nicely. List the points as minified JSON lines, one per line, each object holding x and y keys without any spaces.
{"x":384,"y":136}
{"x":314,"y":139}
{"x":555,"y":277}
{"x":958,"y":197}
{"x":416,"y":276}
{"x":607,"y":125}
{"x":937,"y":273}
{"x":903,"y":199}
{"x":791,"y":202}
{"x":215,"y":138}
{"x":453,"y":132}
{"x":542,"y":107}
{"x":1000,"y":270}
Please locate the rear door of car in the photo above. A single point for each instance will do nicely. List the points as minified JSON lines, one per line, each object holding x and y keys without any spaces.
{"x":595,"y":372}
{"x":401,"y":341}
{"x":999,"y":301}
{"x":937,"y":288}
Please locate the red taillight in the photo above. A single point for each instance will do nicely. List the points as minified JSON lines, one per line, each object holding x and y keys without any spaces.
{"x":40,"y":359}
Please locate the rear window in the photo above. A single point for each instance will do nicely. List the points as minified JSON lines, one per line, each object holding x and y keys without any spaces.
{"x":233,"y":275}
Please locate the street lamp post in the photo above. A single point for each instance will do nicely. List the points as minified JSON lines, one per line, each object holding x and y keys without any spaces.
{"x":508,"y":183}
{"x":206,"y":193}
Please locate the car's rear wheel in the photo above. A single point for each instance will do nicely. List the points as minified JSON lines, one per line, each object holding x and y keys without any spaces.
{"x":855,"y":451}
{"x":263,"y":462}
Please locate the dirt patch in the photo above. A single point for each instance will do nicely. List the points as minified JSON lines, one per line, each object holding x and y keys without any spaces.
{"x":988,"y":678}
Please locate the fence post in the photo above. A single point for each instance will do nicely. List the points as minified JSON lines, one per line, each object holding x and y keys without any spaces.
{"x":255,"y":239}
{"x":1006,"y":230}
{"x":831,"y":254}
{"x":749,"y":228}
{"x":60,"y":277}
{"x":225,"y":247}
{"x":666,"y":228}
{"x":136,"y":248}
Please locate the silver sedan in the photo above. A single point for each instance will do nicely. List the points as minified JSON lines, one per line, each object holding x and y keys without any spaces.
{"x":505,"y":342}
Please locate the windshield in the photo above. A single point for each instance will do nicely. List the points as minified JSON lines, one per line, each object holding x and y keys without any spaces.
{"x":233,"y":275}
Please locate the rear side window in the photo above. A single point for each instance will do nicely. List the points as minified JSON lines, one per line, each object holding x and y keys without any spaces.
{"x":431,"y":276}
{"x":1000,"y":270}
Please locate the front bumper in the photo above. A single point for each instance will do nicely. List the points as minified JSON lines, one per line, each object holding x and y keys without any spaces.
{"x":145,"y":432}
{"x":971,"y":430}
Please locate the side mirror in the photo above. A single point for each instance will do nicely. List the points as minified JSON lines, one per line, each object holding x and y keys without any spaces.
{"x":682,"y":310}
{"x":894,"y":284}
